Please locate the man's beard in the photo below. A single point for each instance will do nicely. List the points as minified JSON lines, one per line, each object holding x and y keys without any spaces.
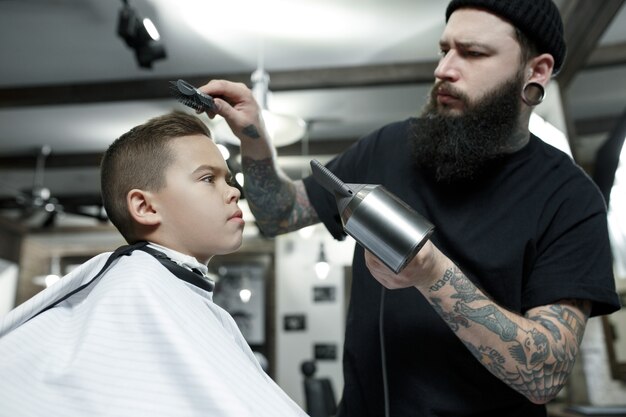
{"x":463,"y":148}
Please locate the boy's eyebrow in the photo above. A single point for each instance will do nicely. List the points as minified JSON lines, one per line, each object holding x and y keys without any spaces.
{"x":218,"y":170}
{"x":206,"y":167}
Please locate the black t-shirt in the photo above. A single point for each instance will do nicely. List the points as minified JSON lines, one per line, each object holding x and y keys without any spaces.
{"x":530,"y":234}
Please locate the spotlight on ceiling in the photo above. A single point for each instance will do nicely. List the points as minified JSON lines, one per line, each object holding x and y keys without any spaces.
{"x":140,"y":35}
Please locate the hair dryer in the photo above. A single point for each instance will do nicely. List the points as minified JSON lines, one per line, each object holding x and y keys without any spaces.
{"x":378,"y":220}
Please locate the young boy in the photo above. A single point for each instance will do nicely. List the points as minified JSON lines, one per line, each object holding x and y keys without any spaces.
{"x":136,"y":333}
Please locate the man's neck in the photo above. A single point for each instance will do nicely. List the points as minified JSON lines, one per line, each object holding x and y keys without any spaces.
{"x":519,"y":138}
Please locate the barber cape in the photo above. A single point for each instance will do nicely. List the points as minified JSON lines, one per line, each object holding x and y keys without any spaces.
{"x":136,"y":341}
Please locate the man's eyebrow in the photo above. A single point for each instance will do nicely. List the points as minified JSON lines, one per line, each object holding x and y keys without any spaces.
{"x":470,"y":44}
{"x":465,"y":44}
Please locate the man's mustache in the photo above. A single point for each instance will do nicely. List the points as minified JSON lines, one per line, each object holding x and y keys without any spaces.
{"x":444,"y":87}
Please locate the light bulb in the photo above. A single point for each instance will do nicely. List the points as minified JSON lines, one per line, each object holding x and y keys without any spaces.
{"x":322,"y":269}
{"x":245,"y":295}
{"x":151,"y":29}
{"x":51,"y":279}
{"x":239,"y":178}
{"x":224,"y":151}
{"x":306,"y":232}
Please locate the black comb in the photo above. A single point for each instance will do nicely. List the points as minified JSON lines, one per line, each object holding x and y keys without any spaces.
{"x":191,"y":96}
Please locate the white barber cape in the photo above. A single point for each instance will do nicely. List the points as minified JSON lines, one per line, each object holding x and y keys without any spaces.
{"x":138,"y":341}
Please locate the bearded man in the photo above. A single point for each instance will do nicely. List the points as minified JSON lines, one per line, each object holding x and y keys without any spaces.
{"x":487,"y":318}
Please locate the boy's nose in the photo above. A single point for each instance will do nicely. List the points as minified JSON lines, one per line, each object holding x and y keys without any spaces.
{"x":233,"y":194}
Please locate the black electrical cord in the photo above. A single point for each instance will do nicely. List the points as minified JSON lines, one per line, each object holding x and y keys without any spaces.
{"x":383,"y":356}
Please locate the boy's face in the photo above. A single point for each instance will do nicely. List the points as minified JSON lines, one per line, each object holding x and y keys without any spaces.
{"x":197,"y":207}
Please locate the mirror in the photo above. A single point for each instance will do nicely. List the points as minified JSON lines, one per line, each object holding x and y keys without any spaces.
{"x":244,"y":287}
{"x":610,"y":176}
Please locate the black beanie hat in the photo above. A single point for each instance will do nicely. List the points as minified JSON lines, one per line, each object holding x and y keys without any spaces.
{"x":539,"y":20}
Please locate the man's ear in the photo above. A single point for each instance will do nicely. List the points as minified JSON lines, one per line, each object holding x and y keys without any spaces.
{"x":141,"y":207}
{"x":540,"y":69}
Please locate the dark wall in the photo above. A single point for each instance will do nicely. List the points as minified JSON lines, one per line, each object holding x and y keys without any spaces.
{"x":10,"y":241}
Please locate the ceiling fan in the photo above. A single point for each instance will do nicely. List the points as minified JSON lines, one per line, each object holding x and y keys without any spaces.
{"x":38,"y":207}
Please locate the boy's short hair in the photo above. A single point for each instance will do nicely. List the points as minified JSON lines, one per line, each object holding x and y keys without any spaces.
{"x":138,"y":159}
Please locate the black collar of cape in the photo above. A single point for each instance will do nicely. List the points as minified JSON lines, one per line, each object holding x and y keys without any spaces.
{"x":180,"y":272}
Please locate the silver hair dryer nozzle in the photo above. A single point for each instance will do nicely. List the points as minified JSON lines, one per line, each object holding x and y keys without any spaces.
{"x":378,"y":220}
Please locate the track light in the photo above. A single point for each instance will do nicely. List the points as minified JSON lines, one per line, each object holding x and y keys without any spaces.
{"x":140,"y":35}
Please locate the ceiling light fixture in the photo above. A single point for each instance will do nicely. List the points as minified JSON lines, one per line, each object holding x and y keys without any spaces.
{"x":141,"y":35}
{"x":322,"y":268}
{"x":283,"y":129}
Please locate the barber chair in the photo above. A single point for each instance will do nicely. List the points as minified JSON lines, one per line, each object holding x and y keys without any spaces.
{"x":318,"y":392}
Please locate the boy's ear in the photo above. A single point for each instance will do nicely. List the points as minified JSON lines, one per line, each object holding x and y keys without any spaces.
{"x":141,"y":207}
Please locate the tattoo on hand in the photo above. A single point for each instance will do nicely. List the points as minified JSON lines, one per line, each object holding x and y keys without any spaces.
{"x":251,"y":132}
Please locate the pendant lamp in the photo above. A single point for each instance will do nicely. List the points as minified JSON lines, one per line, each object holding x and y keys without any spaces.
{"x":283,"y":129}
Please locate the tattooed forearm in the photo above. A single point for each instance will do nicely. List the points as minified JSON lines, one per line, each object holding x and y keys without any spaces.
{"x":464,"y":288}
{"x":447,"y":276}
{"x":493,"y":360}
{"x":532,"y":350}
{"x":453,"y":319}
{"x":278,"y":204}
{"x":490,"y":317}
{"x":539,"y":385}
{"x":569,"y":319}
{"x":271,"y":198}
{"x":564,"y":315}
{"x":533,"y":354}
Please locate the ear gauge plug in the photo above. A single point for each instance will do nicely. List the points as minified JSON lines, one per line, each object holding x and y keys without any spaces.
{"x":191,"y":96}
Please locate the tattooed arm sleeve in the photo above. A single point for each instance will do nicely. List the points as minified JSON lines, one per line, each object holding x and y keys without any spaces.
{"x":533,"y":354}
{"x":279,"y":204}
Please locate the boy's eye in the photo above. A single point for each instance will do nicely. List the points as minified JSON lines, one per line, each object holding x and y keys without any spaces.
{"x":208,"y":178}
